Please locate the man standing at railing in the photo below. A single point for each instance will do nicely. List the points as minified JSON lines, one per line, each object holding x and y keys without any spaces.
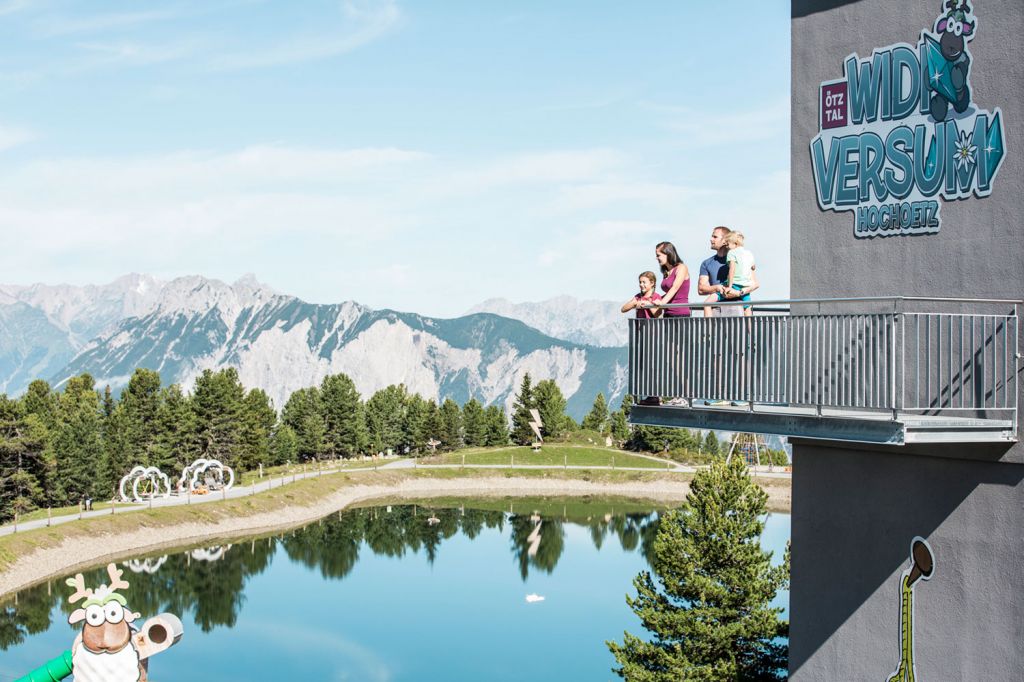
{"x":714,"y":272}
{"x":713,"y":283}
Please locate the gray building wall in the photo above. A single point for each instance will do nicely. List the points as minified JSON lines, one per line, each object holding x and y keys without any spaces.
{"x":856,"y":510}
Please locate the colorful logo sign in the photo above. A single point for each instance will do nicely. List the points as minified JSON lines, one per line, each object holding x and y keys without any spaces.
{"x":900,"y":130}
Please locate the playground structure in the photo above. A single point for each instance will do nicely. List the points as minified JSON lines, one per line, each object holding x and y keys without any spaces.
{"x":749,"y":446}
{"x":204,"y":476}
{"x":145,"y":483}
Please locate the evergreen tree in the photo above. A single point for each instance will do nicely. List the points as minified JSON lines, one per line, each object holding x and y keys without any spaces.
{"x":497,"y":426}
{"x":414,"y":430}
{"x":551,"y":405}
{"x":217,"y":403}
{"x":77,"y":447}
{"x":522,"y":434}
{"x":710,"y":608}
{"x":451,"y":425}
{"x":432,"y":422}
{"x":40,"y":400}
{"x":285,"y":445}
{"x":23,"y":467}
{"x":597,"y":418}
{"x":385,"y":418}
{"x":619,"y":424}
{"x":312,"y":441}
{"x":141,"y":400}
{"x":712,"y":446}
{"x":116,"y":452}
{"x":345,"y":433}
{"x":474,"y":424}
{"x":175,"y":444}
{"x":258,"y":421}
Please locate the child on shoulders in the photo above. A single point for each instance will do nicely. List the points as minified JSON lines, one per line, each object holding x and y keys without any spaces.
{"x":742,"y":279}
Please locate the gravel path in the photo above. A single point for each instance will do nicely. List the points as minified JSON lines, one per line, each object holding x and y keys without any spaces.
{"x":82,"y":552}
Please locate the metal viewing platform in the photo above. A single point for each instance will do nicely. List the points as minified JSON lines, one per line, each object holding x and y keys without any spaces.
{"x":888,"y":370}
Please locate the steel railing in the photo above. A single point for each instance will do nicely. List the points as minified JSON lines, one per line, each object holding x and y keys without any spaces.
{"x":891,"y":354}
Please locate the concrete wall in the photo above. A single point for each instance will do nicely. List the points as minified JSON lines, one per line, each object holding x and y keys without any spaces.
{"x":979,"y":251}
{"x":854,"y":516}
{"x":856,"y":510}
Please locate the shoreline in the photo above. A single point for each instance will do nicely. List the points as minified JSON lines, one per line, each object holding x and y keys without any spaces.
{"x":47,"y":563}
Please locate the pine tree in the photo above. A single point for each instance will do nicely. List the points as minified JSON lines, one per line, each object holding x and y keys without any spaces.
{"x":217,"y":403}
{"x":40,"y":400}
{"x":597,"y":418}
{"x":522,"y":434}
{"x":712,"y":448}
{"x":619,"y":425}
{"x":432,"y":422}
{"x":385,"y":418}
{"x":551,"y":405}
{"x":77,"y":446}
{"x":258,"y":421}
{"x":285,"y":445}
{"x":141,"y":400}
{"x":474,"y":424}
{"x":414,"y":430}
{"x":345,"y":433}
{"x":116,"y":452}
{"x":23,"y":467}
{"x":710,"y":608}
{"x":301,"y":412}
{"x":175,"y":443}
{"x":451,"y":425}
{"x":497,"y":426}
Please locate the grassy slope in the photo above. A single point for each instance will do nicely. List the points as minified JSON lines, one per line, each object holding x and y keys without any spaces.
{"x":550,"y":455}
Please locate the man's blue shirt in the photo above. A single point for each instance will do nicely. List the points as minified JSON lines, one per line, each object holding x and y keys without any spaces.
{"x":715,"y":269}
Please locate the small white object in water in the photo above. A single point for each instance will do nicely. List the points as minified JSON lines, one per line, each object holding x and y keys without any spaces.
{"x":531,"y":598}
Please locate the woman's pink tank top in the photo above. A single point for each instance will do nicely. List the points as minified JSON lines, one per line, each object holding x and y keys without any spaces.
{"x":682,"y":296}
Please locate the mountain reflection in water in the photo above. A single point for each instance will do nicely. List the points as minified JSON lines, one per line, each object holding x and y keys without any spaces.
{"x":209,"y":582}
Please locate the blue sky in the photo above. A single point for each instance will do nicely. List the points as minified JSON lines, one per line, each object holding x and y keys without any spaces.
{"x":414,"y":155}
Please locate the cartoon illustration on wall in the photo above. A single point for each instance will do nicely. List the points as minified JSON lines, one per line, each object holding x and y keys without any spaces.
{"x":948,"y":61}
{"x":110,"y":648}
{"x":922,"y":565}
{"x":900,"y":130}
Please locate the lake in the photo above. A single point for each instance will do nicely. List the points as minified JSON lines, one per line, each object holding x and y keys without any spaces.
{"x":387,"y":592}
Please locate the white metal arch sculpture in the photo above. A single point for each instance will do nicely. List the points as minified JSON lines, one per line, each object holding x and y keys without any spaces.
{"x":148,"y":565}
{"x":215,"y":553}
{"x":158,"y":482}
{"x":193,"y":475}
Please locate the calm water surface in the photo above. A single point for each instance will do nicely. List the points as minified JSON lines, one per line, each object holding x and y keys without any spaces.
{"x":387,"y":593}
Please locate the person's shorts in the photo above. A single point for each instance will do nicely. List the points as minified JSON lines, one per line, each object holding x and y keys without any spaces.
{"x":737,"y":287}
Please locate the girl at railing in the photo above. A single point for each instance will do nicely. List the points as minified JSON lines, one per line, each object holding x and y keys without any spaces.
{"x":647,"y":297}
{"x":643,"y":303}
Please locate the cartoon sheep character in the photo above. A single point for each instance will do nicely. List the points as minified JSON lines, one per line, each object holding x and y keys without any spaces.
{"x":104,"y":651}
{"x":955,"y":26}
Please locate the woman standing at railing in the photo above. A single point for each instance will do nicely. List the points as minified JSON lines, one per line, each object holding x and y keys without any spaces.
{"x":676,"y":285}
{"x":675,"y":279}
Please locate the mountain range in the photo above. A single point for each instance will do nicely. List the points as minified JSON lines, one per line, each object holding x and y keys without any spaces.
{"x":280,"y":343}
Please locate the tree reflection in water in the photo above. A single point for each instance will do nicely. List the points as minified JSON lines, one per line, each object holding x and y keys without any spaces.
{"x":213,"y":590}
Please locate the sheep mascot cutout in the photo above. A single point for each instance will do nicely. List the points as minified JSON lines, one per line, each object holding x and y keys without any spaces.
{"x":110,"y":648}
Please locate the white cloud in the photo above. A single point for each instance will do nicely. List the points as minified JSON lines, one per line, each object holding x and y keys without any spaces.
{"x":362,"y":23}
{"x":387,"y":226}
{"x":13,"y":6}
{"x":60,"y":25}
{"x":12,"y":137}
{"x":710,"y":127}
